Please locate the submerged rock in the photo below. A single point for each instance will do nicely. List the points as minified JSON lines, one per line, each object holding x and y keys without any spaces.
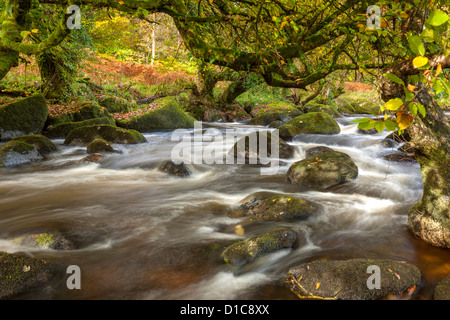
{"x":267,"y":206}
{"x":350,"y":279}
{"x":63,"y":129}
{"x":112,"y":134}
{"x":23,"y":117}
{"x":15,"y":153}
{"x":323,"y":170}
{"x":19,"y":274}
{"x":99,"y":146}
{"x":179,"y":170}
{"x":245,"y":251}
{"x":311,"y":123}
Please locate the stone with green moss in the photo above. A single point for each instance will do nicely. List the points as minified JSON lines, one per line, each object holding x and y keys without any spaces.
{"x":42,"y":144}
{"x":115,"y":104}
{"x":24,"y":117}
{"x":90,"y":111}
{"x":14,"y":153}
{"x":63,"y":129}
{"x":288,"y":131}
{"x":267,"y":118}
{"x":323,"y":170}
{"x":316,"y":107}
{"x":269,"y":206}
{"x":442,"y":290}
{"x":311,"y":123}
{"x":246,"y":251}
{"x":99,"y":146}
{"x":168,"y":116}
{"x":358,"y":103}
{"x":112,"y":134}
{"x":20,"y":274}
{"x":349,"y":279}
{"x":278,"y":107}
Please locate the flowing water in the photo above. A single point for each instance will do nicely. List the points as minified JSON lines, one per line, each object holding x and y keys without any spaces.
{"x":142,"y":234}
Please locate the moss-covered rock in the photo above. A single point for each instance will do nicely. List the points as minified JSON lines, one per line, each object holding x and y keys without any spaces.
{"x":358,"y":103}
{"x":24,"y":117}
{"x":442,"y":290}
{"x":112,"y":134}
{"x":42,"y":144}
{"x":99,"y":146}
{"x":245,"y":251}
{"x":278,"y":107}
{"x":169,"y":115}
{"x":20,"y":274}
{"x":323,"y":170}
{"x":248,"y":148}
{"x":90,"y":111}
{"x":268,"y":206}
{"x":312,"y":123}
{"x":288,"y":131}
{"x":115,"y":104}
{"x":316,"y":107}
{"x":267,"y":118}
{"x":14,"y":153}
{"x":63,"y":129}
{"x":44,"y":240}
{"x":348,"y":279}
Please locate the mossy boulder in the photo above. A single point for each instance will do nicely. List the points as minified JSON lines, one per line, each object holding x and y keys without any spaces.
{"x":268,"y":206}
{"x":44,"y":240}
{"x":276,"y":107}
{"x":248,"y":148}
{"x":90,"y":111}
{"x":267,"y":118}
{"x":14,"y":153}
{"x":115,"y":104}
{"x":442,"y":290}
{"x":63,"y":129}
{"x":316,"y":107}
{"x":112,"y":134}
{"x":348,"y":279}
{"x":41,"y":143}
{"x":99,"y":146}
{"x":246,"y":251}
{"x":311,"y":123}
{"x":19,"y":274}
{"x":168,"y":115}
{"x":323,"y":170}
{"x":358,"y":103}
{"x":24,"y":117}
{"x":288,"y":131}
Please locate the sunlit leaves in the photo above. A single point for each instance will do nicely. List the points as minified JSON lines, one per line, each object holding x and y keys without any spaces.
{"x":437,"y":18}
{"x":394,"y":78}
{"x":416,"y":45}
{"x":404,"y":120}
{"x":420,"y":61}
{"x":393,"y":104}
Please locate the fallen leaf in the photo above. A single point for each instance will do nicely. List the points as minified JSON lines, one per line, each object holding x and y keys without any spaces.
{"x":317,"y":285}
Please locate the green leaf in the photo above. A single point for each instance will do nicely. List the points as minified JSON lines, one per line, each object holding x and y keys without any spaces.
{"x":393,"y":104}
{"x":380,"y":125}
{"x":394,"y":78}
{"x":23,"y":34}
{"x":428,"y":35}
{"x":390,"y":125}
{"x":408,"y":95}
{"x":421,"y":109}
{"x":437,"y":18}
{"x":437,"y":86}
{"x":413,"y":108}
{"x":416,"y":45}
{"x":446,"y":84}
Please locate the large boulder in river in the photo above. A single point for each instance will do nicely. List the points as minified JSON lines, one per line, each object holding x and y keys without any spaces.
{"x":111,"y":134}
{"x":268,"y":206}
{"x":323,"y":170}
{"x":245,"y":251}
{"x":249,"y":148}
{"x":14,"y":153}
{"x":352,"y":279}
{"x":23,"y":117}
{"x":167,"y":114}
{"x":61,"y":130}
{"x":42,"y":144}
{"x":267,"y":118}
{"x":20,"y":274}
{"x":314,"y":123}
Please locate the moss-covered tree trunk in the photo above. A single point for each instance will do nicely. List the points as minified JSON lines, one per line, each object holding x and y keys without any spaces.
{"x":429,"y":218}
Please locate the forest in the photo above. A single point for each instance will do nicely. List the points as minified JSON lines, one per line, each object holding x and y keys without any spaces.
{"x":224,"y":150}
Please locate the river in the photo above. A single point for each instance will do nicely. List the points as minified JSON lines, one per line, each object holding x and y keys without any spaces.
{"x":142,"y":234}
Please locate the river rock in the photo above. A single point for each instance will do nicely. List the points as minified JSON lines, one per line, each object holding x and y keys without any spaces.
{"x":268,"y":206}
{"x":14,"y":153}
{"x":312,"y":123}
{"x":167,"y":114}
{"x":267,"y":118}
{"x":99,"y":146}
{"x":50,"y":240}
{"x":442,"y":290}
{"x":350,"y":279}
{"x":115,"y":104}
{"x":19,"y":274}
{"x":251,"y":143}
{"x":61,"y":130}
{"x":24,"y":117}
{"x":245,"y":251}
{"x":317,"y":107}
{"x":179,"y":170}
{"x":42,"y":144}
{"x":112,"y":134}
{"x":323,"y":170}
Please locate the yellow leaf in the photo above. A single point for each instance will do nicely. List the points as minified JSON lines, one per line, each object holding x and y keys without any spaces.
{"x":393,"y":104}
{"x":420,"y":61}
{"x":317,"y":285}
{"x":404,"y":15}
{"x":404,"y":120}
{"x":35,"y":30}
{"x":411,"y":87}
{"x":121,"y":2}
{"x":438,"y":69}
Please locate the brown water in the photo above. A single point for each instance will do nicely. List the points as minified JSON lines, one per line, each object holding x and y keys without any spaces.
{"x":141,"y":234}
